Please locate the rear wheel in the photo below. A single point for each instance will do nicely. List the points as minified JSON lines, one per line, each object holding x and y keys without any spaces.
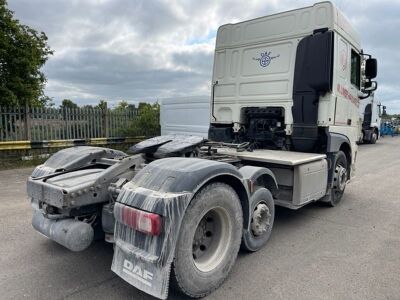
{"x":208,"y":241}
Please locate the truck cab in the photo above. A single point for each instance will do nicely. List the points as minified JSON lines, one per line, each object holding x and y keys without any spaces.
{"x":290,"y":81}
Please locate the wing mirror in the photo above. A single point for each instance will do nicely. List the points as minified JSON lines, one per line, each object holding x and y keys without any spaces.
{"x":370,"y":86}
{"x":371,"y":68}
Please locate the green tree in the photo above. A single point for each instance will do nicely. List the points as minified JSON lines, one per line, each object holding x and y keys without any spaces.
{"x":23,"y":51}
{"x":102,"y":104}
{"x":147,"y":123}
{"x":122,"y":105}
{"x":142,"y":105}
{"x":67,"y":103}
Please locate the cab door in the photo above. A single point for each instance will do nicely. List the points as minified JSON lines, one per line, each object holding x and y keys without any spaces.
{"x":348,"y":84}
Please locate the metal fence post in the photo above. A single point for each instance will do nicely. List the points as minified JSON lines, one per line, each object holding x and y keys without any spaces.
{"x":106,"y":121}
{"x":27,"y":124}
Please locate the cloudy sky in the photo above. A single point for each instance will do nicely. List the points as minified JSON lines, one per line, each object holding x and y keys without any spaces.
{"x":149,"y":49}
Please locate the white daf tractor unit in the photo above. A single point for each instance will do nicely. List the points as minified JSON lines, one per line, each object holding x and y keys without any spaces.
{"x":370,"y":115}
{"x":283,"y":129}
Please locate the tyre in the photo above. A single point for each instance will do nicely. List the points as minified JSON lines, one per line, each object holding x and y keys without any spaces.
{"x":374,"y":137}
{"x":209,"y":240}
{"x":361,"y":139}
{"x":262,"y":209}
{"x":340,"y":176}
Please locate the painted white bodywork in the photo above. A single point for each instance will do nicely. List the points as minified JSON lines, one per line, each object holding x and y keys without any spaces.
{"x":185,"y":115}
{"x":245,"y":80}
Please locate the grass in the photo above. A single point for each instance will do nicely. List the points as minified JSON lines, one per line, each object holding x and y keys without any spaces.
{"x":18,"y":163}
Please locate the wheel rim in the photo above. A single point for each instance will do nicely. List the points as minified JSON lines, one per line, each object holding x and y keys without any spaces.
{"x":211,"y":239}
{"x":260,"y":220}
{"x":340,"y":178}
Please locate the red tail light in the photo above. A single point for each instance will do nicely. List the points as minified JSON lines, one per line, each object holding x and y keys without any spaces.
{"x":137,"y":219}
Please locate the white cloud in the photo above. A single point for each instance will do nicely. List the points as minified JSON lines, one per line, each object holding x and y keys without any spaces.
{"x":142,"y":49}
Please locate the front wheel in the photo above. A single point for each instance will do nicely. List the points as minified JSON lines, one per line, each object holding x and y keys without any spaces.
{"x":340,"y":177}
{"x":374,"y":138}
{"x":262,"y":216}
{"x":208,"y":241}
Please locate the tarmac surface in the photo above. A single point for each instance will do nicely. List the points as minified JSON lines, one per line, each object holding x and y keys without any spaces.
{"x":351,"y":251}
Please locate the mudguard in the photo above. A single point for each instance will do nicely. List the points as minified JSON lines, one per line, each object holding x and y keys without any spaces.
{"x":167,"y":145}
{"x":165,"y":187}
{"x":253,"y":175}
{"x":73,"y":158}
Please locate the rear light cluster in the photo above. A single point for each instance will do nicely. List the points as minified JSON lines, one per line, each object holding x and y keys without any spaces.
{"x":137,"y":219}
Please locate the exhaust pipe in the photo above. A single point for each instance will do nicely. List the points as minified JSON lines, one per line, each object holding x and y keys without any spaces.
{"x":70,"y":233}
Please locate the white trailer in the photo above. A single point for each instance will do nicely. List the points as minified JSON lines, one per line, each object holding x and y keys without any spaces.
{"x":283,"y":131}
{"x":185,"y":115}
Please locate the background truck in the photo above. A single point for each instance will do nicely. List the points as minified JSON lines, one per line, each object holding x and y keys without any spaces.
{"x":370,"y":114}
{"x":283,"y":131}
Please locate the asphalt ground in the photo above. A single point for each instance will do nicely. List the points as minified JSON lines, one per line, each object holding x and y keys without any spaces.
{"x":351,"y":251}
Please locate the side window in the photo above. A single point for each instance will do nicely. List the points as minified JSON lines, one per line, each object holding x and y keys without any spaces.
{"x":343,"y":59}
{"x":355,"y":68}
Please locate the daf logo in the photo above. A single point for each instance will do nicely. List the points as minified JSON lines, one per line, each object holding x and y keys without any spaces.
{"x":266,"y":58}
{"x":137,"y":272}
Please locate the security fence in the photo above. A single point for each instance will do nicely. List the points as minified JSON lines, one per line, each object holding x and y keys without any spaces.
{"x":43,"y":124}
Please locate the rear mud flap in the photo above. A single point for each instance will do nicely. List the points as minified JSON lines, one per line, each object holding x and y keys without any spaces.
{"x":147,"y":265}
{"x":146,"y":276}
